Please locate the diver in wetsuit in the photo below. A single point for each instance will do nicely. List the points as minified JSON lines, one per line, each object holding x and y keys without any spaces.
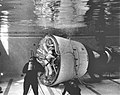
{"x":71,"y":87}
{"x":31,"y":70}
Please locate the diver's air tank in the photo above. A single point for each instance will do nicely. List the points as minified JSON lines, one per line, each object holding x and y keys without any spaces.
{"x":72,"y":60}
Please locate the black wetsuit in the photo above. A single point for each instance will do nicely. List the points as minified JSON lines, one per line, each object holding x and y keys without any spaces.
{"x":72,"y":89}
{"x":31,"y":77}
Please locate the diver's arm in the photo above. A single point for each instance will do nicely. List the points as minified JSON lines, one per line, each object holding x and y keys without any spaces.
{"x":25,"y":68}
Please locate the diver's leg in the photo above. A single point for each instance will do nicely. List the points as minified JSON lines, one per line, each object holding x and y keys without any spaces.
{"x":35,"y":87}
{"x":26,"y":86}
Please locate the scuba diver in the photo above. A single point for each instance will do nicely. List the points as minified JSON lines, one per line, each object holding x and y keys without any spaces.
{"x":71,"y":87}
{"x":31,"y":70}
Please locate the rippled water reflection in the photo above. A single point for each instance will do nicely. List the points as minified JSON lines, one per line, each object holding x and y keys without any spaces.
{"x":79,"y":17}
{"x":61,"y":14}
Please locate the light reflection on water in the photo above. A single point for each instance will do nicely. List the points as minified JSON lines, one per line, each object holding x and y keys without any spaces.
{"x":77,"y":16}
{"x":101,"y":15}
{"x":61,"y":14}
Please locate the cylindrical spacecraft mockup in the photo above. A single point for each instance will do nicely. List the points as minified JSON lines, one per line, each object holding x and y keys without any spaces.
{"x":68,"y":59}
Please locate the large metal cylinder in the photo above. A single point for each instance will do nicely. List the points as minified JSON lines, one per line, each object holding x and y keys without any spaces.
{"x":71,"y":61}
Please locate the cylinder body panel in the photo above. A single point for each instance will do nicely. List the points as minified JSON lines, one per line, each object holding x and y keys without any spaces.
{"x":78,"y":51}
{"x":81,"y":58}
{"x":66,"y":69}
{"x":64,"y":45}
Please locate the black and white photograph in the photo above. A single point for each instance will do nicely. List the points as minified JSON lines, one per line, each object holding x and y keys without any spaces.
{"x":59,"y":47}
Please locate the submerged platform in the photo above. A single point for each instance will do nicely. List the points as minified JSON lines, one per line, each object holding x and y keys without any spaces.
{"x":111,"y":86}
